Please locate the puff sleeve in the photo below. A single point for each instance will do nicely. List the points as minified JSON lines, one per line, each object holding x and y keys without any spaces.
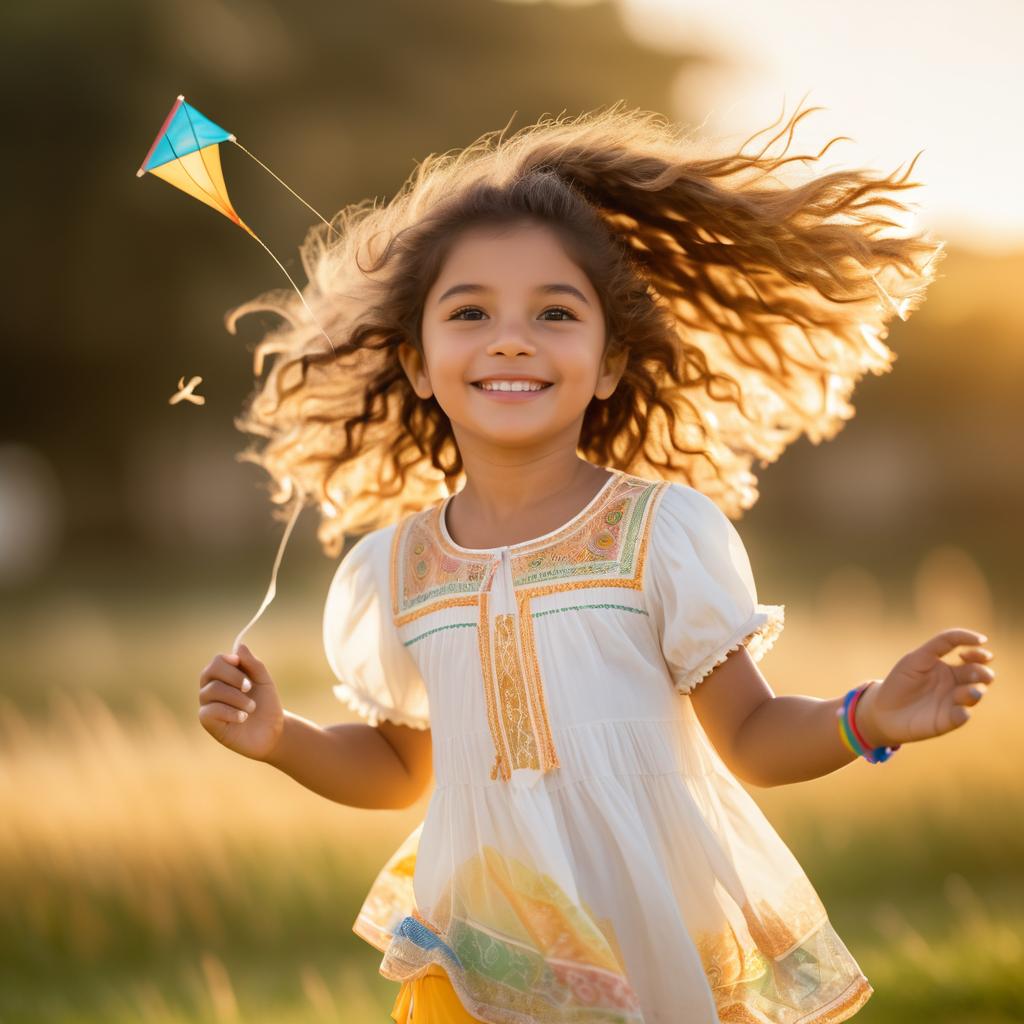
{"x":701,"y":593}
{"x":376,"y":674}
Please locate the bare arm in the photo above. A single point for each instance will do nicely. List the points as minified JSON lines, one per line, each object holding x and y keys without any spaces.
{"x":385,"y":767}
{"x":772,"y":741}
{"x":353,"y":763}
{"x":767,"y":740}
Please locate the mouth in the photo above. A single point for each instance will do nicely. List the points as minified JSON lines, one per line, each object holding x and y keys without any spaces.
{"x":513,"y":387}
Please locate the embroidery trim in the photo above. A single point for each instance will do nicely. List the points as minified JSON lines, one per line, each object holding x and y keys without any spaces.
{"x":534,"y":686}
{"x":602,"y":604}
{"x":438,"y":629}
{"x":605,"y":548}
{"x":500,"y":743}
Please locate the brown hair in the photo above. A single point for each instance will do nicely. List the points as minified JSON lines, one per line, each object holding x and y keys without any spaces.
{"x":749,"y":309}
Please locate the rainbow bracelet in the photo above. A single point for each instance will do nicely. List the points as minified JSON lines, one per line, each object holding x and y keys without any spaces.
{"x":851,"y":736}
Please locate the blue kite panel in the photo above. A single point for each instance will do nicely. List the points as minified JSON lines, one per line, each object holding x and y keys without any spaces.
{"x":188,"y":131}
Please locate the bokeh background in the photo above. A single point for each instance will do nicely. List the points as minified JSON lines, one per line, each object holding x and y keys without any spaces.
{"x":148,"y":873}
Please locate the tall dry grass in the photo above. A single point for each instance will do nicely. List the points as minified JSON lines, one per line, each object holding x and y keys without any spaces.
{"x":150,"y":874}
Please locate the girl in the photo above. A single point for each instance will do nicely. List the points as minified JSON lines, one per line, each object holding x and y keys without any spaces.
{"x":598,"y":328}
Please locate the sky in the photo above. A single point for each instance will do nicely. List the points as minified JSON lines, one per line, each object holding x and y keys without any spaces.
{"x":898,"y":77}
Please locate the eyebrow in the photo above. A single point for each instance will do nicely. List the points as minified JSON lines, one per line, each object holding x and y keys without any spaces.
{"x":548,"y":289}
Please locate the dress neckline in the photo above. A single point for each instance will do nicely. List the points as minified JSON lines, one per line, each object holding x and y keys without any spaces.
{"x":613,"y":475}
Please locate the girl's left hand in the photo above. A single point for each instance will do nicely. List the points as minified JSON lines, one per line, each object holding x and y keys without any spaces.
{"x":923,"y":696}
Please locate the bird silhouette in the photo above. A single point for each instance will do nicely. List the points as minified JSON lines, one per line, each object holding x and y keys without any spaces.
{"x":185,"y":392}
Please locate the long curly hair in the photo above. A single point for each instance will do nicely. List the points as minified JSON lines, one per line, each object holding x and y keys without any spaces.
{"x":749,"y":308}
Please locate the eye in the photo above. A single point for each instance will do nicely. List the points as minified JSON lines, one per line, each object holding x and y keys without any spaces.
{"x":561,"y":309}
{"x":550,"y":309}
{"x":463,"y":309}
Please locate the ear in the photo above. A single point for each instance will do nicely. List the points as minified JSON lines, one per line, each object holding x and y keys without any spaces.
{"x":612,"y":368}
{"x":415,"y":368}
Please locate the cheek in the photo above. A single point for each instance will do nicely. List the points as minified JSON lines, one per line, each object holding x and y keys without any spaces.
{"x":445,"y":359}
{"x":449,"y":372}
{"x":576,"y":366}
{"x":449,"y":375}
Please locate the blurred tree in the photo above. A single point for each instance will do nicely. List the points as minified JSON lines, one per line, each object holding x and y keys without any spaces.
{"x":118,"y":285}
{"x":121,"y":284}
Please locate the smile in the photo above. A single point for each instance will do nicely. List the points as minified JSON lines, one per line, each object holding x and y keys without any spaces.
{"x":511,"y":385}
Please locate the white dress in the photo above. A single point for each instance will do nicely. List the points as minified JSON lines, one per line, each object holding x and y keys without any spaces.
{"x":586,"y":855}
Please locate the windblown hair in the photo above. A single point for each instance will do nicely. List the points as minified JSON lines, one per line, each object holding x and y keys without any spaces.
{"x":749,"y":308}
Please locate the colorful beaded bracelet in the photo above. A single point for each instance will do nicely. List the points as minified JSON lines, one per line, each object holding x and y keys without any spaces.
{"x":851,"y":736}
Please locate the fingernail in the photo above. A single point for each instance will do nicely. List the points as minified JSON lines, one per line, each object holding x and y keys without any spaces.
{"x":246,"y":685}
{"x":243,"y":715}
{"x":975,"y":692}
{"x":982,"y":637}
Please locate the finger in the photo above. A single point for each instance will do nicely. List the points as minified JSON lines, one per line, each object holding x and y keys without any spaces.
{"x":972,"y":673}
{"x":221,"y":668}
{"x":969,"y":695}
{"x":949,"y":639}
{"x":252,"y":666}
{"x":220,"y":692}
{"x":215,"y":712}
{"x":977,"y":654}
{"x":218,"y":664}
{"x":959,"y":716}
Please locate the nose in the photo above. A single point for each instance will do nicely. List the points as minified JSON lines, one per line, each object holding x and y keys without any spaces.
{"x":511,"y":341}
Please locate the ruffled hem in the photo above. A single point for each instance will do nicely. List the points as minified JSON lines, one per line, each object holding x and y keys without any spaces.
{"x":815,"y":982}
{"x":517,"y":947}
{"x":373,"y":712}
{"x":498,"y":979}
{"x":757,"y":634}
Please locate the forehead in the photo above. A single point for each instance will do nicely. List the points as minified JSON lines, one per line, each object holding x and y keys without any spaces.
{"x":511,"y":254}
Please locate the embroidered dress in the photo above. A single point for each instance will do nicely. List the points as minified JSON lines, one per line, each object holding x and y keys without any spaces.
{"x":586,"y":855}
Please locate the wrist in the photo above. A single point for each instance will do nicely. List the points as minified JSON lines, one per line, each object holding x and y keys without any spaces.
{"x":850,"y":731}
{"x":864,"y":717}
{"x":277,"y":754}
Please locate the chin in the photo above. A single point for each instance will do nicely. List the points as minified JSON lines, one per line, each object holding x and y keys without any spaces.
{"x":514,"y":438}
{"x":504,"y":435}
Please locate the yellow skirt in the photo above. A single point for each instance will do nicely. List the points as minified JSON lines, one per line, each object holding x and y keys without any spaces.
{"x":430,"y":999}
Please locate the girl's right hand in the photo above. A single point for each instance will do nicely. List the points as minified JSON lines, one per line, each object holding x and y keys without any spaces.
{"x":249,"y":721}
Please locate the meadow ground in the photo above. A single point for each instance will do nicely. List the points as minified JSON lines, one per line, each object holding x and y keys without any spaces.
{"x":149,"y":874}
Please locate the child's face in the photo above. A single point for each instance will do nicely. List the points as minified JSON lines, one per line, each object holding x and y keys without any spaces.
{"x":512,"y":327}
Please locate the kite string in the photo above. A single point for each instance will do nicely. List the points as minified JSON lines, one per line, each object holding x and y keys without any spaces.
{"x":302,"y":298}
{"x":227,"y":205}
{"x":223,"y":199}
{"x":286,"y":185}
{"x":272,"y":589}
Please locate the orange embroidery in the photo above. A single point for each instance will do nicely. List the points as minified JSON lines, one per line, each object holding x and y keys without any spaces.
{"x":596,"y":540}
{"x":517,"y":711}
{"x":513,"y":699}
{"x":534,"y":686}
{"x":493,"y":719}
{"x":425,"y":579}
{"x":605,"y":548}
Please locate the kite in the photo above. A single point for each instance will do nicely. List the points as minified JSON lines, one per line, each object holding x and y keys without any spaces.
{"x":186,"y":154}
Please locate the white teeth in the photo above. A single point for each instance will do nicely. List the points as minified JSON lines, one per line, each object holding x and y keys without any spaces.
{"x":511,"y":385}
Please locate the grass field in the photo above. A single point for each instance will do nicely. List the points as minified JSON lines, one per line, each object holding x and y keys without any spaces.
{"x":151,"y":875}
